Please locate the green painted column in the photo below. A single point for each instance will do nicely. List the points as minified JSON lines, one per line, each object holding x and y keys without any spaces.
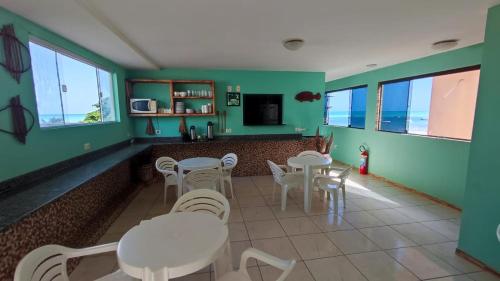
{"x":481,"y":212}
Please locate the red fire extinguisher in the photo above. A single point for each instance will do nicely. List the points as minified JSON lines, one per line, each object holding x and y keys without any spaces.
{"x":363,"y":167}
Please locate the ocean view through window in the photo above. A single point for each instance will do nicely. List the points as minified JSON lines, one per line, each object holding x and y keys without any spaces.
{"x":69,"y":90}
{"x":346,"y":108}
{"x":440,"y":105}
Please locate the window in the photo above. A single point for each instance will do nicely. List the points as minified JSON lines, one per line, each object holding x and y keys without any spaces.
{"x":346,"y":108}
{"x":70,"y":91}
{"x":440,"y":105}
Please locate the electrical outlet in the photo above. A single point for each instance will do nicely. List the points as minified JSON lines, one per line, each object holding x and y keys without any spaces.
{"x":228,"y":130}
{"x":87,"y":146}
{"x":158,"y":132}
{"x":238,"y":88}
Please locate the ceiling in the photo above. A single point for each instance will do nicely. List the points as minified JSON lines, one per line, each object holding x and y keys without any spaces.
{"x":342,"y":36}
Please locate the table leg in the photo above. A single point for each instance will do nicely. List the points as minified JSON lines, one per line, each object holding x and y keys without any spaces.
{"x":224,"y":263}
{"x":307,"y":189}
{"x":180,"y":176}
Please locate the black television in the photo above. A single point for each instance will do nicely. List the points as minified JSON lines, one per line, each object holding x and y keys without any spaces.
{"x":262,"y":109}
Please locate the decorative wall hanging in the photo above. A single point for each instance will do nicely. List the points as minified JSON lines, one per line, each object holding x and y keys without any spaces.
{"x":20,"y":130}
{"x":14,"y":56}
{"x":323,"y":144}
{"x":233,"y":99}
{"x":307,"y":96}
{"x":150,"y":128}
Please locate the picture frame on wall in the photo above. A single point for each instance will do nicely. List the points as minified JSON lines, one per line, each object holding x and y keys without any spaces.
{"x":233,"y":99}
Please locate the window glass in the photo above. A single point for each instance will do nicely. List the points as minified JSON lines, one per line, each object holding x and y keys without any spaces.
{"x":358,"y":107}
{"x":106,"y":92}
{"x":338,"y":108}
{"x":48,"y":97}
{"x":394,"y":106}
{"x":420,"y":103}
{"x":68,"y":90}
{"x":78,"y":90}
{"x":441,"y":105}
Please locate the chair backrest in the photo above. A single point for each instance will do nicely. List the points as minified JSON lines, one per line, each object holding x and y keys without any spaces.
{"x":203,"y":178}
{"x":344,"y":175}
{"x":203,"y":200}
{"x":229,"y":160}
{"x":278,"y":173}
{"x":44,"y":263}
{"x":310,"y":153}
{"x":165,"y":164}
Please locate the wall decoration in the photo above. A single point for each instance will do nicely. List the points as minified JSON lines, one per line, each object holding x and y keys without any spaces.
{"x":307,"y":96}
{"x":323,"y":144}
{"x":233,"y":99}
{"x":20,"y":130}
{"x":14,"y":56}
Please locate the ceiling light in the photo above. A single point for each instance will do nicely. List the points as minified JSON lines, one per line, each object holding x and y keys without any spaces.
{"x":293,"y":44}
{"x":445,"y":44}
{"x":371,"y":65}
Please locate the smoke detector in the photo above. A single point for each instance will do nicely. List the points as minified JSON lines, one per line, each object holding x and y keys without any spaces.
{"x":293,"y":44}
{"x":445,"y":44}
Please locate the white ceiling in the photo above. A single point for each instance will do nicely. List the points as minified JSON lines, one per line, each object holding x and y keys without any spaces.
{"x":342,"y":36}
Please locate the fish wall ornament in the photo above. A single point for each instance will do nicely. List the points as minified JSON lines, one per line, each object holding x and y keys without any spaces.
{"x":307,"y":96}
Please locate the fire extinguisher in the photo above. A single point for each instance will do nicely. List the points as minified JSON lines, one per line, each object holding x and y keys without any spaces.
{"x":363,"y":167}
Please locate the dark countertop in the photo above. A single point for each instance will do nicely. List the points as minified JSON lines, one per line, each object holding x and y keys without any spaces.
{"x":223,"y":139}
{"x":20,"y":204}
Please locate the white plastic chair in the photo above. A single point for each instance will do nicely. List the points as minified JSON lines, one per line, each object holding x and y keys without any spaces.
{"x":203,"y":200}
{"x":287,"y":181}
{"x":332,"y":183}
{"x":166,"y":166}
{"x":311,"y":154}
{"x":49,"y":262}
{"x":242,"y":273}
{"x":229,"y":161}
{"x":204,"y":178}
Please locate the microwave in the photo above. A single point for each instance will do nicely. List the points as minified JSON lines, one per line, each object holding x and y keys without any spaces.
{"x":142,"y":106}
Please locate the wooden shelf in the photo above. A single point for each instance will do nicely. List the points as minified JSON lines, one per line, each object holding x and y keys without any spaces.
{"x":192,"y":98}
{"x":159,"y":81}
{"x":169,"y":114}
{"x":169,"y":97}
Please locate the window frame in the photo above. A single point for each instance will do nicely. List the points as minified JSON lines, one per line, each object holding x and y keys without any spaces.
{"x":378,"y":117}
{"x":325,"y":122}
{"x":65,"y":52}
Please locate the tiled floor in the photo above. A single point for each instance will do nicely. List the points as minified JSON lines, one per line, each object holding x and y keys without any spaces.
{"x":383,"y":234}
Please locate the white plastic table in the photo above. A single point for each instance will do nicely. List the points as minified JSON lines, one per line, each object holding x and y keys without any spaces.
{"x":308,"y":164}
{"x":175,"y":245}
{"x":192,"y":164}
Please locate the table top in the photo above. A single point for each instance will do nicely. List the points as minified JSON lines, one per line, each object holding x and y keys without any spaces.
{"x":302,"y":161}
{"x":183,"y":243}
{"x":199,"y":163}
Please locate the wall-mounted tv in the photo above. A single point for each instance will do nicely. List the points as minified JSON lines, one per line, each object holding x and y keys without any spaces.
{"x":262,"y":109}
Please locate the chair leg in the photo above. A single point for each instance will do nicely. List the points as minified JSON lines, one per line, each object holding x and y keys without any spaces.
{"x":284,"y":191}
{"x":230,"y":181}
{"x":336,"y":200}
{"x":274,"y":191}
{"x":165,"y":187}
{"x":343,"y":196}
{"x":325,"y":195}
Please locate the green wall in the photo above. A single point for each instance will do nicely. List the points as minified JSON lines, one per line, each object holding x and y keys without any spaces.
{"x":295,"y":114}
{"x":48,"y":146}
{"x":481,"y":213}
{"x":435,"y":166}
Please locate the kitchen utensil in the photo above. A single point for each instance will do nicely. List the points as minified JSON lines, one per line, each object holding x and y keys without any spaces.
{"x":210,"y":130}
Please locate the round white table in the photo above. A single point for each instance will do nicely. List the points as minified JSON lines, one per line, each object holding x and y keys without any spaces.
{"x":308,"y":164}
{"x":192,"y":164}
{"x":175,"y":245}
